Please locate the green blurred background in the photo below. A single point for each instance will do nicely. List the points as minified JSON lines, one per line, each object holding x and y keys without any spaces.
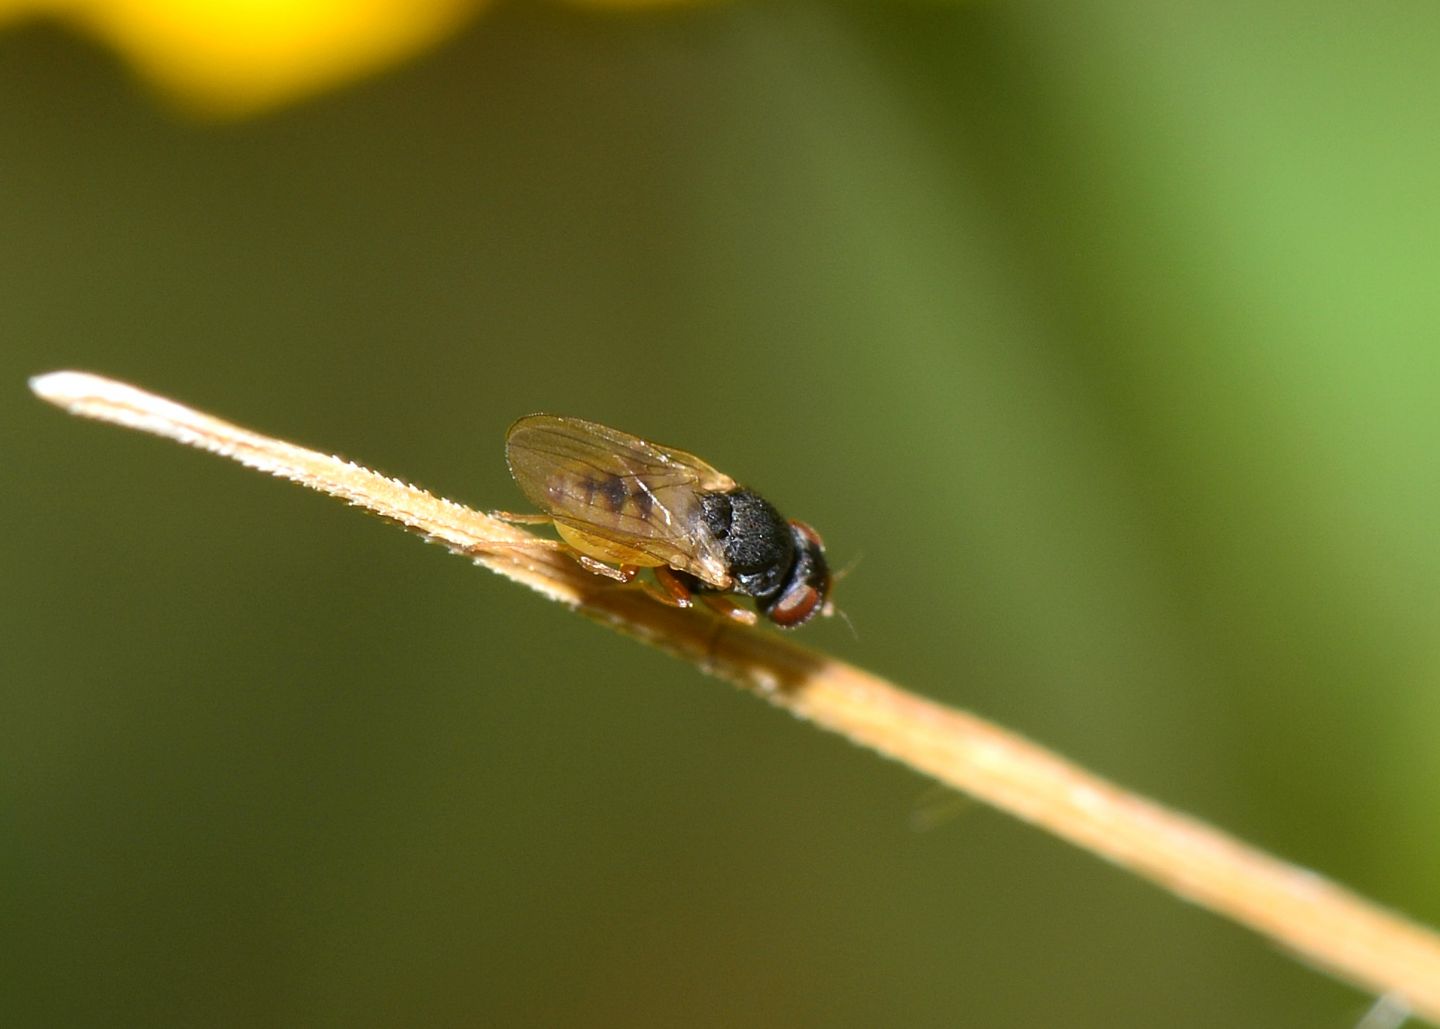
{"x":1107,"y":336}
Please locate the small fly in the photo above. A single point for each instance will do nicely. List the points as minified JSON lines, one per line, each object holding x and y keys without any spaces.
{"x":621,"y":503}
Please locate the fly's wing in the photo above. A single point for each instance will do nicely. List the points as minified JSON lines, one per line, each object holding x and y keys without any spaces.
{"x":617,"y":486}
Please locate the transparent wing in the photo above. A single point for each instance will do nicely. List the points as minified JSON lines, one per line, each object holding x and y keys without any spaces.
{"x":622,"y":488}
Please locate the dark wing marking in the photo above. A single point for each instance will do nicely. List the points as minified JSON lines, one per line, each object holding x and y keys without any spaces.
{"x":620,"y":487}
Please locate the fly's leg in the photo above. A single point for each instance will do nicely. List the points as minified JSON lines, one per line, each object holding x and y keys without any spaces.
{"x":625,"y":573}
{"x":671,"y":592}
{"x":674,"y":592}
{"x":515,"y":518}
{"x":728,"y":608}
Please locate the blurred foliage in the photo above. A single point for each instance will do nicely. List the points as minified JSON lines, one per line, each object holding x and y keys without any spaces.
{"x":1105,"y":334}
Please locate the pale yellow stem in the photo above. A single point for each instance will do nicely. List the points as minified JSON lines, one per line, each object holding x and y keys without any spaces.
{"x":1320,"y":922}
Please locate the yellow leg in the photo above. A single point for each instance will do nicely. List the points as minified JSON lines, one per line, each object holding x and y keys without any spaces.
{"x":522,"y":518}
{"x":623,"y":574}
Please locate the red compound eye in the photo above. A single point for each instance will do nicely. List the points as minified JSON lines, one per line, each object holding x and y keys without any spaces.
{"x":795,"y":607}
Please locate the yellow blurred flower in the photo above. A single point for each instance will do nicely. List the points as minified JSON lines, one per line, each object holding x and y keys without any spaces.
{"x":231,"y":58}
{"x":237,"y":57}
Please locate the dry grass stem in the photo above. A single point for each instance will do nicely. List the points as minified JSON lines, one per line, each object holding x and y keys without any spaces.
{"x":1322,"y":923}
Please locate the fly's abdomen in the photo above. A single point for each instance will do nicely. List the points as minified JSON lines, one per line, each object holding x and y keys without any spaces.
{"x":606,"y":500}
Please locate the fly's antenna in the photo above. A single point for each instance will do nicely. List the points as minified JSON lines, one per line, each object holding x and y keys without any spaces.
{"x":830,"y":609}
{"x":850,"y":566}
